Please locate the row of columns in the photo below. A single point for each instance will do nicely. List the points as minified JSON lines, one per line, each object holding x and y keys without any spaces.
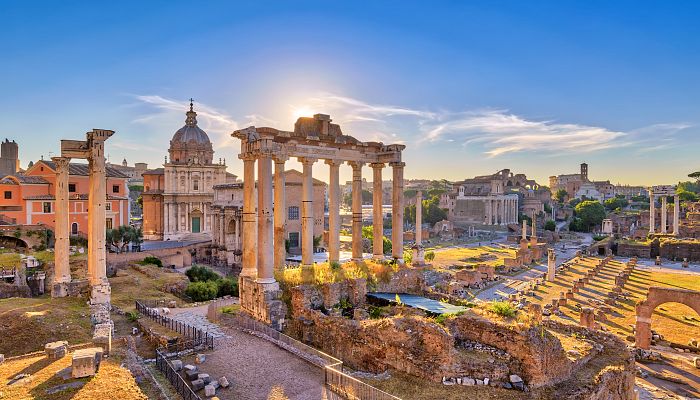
{"x":664,"y":214}
{"x":501,"y":211}
{"x":263,"y":232}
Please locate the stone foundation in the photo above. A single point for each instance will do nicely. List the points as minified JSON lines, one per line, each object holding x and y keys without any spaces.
{"x":262,"y":301}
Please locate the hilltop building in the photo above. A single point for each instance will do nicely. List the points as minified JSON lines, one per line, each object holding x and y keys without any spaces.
{"x":9,"y":158}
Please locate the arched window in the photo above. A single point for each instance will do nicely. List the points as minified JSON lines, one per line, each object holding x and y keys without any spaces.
{"x":74,"y":228}
{"x":195,"y":184}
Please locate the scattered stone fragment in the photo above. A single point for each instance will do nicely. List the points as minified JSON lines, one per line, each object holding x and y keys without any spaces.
{"x":191,"y":375}
{"x":177,"y":365}
{"x":197,"y":384}
{"x":199,"y":358}
{"x":223,"y":381}
{"x":190,"y":367}
{"x":205,"y":377}
{"x":209,"y":390}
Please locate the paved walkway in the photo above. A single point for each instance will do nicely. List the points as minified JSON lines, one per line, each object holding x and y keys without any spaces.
{"x":197,"y":317}
{"x":256,"y":368}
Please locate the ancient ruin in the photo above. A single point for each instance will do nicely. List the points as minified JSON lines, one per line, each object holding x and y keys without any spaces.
{"x":312,"y":139}
{"x":655,"y":297}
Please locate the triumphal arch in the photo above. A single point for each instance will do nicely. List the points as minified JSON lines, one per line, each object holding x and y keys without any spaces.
{"x":312,"y":140}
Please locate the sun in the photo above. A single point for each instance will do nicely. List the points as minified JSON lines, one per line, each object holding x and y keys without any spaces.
{"x":298,"y":112}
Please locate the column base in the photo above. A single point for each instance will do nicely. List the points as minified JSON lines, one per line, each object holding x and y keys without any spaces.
{"x":101,"y":294}
{"x":262,"y":301}
{"x":59,"y":289}
{"x":418,"y":258}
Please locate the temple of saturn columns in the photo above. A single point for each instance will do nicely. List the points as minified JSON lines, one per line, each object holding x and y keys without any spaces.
{"x":313,"y":139}
{"x":663,"y":191}
{"x":91,"y":149}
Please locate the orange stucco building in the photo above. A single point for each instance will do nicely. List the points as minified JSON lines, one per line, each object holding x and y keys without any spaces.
{"x":29,"y":198}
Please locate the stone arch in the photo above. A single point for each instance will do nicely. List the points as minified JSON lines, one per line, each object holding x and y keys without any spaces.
{"x":655,"y":297}
{"x":12,"y":242}
{"x":231,"y":227}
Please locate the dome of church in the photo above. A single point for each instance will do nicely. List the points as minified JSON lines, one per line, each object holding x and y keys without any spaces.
{"x":190,"y":144}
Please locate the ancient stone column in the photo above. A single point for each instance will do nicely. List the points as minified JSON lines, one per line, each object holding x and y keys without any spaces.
{"x":419,"y":217}
{"x":280,"y":213}
{"x":307,"y":211}
{"x":551,"y":264}
{"x":487,"y":211}
{"x":249,"y":232}
{"x":664,"y":214}
{"x":377,"y":213}
{"x":265,"y":245}
{"x":334,"y":211}
{"x":397,"y":211}
{"x":676,"y":214}
{"x":61,"y":248}
{"x":652,"y":212}
{"x":97,"y":197}
{"x":356,"y":210}
{"x":524,"y":232}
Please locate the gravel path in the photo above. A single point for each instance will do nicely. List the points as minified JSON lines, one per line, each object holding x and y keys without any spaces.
{"x":197,"y":317}
{"x":259,"y":370}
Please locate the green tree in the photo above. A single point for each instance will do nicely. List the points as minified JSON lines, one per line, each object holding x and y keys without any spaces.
{"x":550,"y":225}
{"x":591,"y":213}
{"x":687,"y":196}
{"x":119,"y":238}
{"x":615,"y":203}
{"x":432,"y":212}
{"x":561,"y":195}
{"x":366,"y":196}
{"x":368,"y":233}
{"x":695,"y":175}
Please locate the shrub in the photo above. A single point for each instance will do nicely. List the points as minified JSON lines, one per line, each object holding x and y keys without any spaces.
{"x":201,"y":274}
{"x":132,"y":316}
{"x":375,"y":312}
{"x":202,"y":291}
{"x":502,"y":308}
{"x":152,"y":261}
{"x":429,"y":256}
{"x":230,"y":309}
{"x":228,"y":287}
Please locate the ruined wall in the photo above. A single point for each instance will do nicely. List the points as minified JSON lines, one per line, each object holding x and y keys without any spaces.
{"x":679,"y":250}
{"x":540,"y":357}
{"x":633,"y":250}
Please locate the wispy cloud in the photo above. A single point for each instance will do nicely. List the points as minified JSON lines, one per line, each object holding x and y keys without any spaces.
{"x":217,"y":124}
{"x":496,"y":132}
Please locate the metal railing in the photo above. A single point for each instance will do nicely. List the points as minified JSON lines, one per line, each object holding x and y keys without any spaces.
{"x":336,"y":380}
{"x":199,"y":336}
{"x":175,"y":379}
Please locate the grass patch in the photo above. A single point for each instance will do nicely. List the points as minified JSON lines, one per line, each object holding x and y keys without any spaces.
{"x":503,"y":309}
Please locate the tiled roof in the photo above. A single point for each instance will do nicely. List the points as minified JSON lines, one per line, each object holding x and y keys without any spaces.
{"x":84,"y":170}
{"x":157,"y":171}
{"x":83,"y":196}
{"x":24,"y":179}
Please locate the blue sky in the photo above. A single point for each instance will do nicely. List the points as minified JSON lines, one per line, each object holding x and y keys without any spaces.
{"x":469,"y":87}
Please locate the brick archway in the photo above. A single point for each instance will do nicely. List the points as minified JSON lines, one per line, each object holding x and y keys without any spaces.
{"x":655,"y":297}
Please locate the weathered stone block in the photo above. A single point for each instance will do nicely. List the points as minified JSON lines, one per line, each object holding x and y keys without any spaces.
{"x":56,"y":350}
{"x":190,"y":367}
{"x":197,"y":384}
{"x":191,"y":375}
{"x":205,"y":377}
{"x":177,"y":365}
{"x":209,"y":390}
{"x":86,"y":362}
{"x":223,"y":381}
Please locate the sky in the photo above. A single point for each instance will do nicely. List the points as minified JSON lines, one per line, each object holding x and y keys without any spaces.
{"x":470,"y":87}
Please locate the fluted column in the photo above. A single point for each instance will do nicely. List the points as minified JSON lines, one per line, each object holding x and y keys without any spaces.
{"x":377,"y":213}
{"x":356,"y":210}
{"x":652,"y":213}
{"x":307,"y":212}
{"x":62,"y":212}
{"x":97,"y":197}
{"x":265,"y":224}
{"x":280,"y":212}
{"x":397,"y":210}
{"x":222,"y":228}
{"x":250,"y":228}
{"x":676,"y":214}
{"x":334,"y":211}
{"x":664,"y":214}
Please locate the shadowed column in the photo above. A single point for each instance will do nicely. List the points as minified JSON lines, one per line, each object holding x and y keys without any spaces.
{"x":356,"y":210}
{"x":307,"y":212}
{"x":334,"y":211}
{"x":676,"y":214}
{"x":377,"y":213}
{"x":397,"y":211}
{"x":652,"y":213}
{"x":265,"y":227}
{"x":280,"y":212}
{"x":664,"y":214}
{"x":250,"y":229}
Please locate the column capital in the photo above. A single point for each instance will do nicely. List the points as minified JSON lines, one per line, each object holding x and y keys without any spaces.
{"x":247,"y":156}
{"x":333,"y":163}
{"x":280,"y":159}
{"x":356,"y":164}
{"x":307,"y":160}
{"x":377,"y":165}
{"x":397,"y":164}
{"x":61,"y":162}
